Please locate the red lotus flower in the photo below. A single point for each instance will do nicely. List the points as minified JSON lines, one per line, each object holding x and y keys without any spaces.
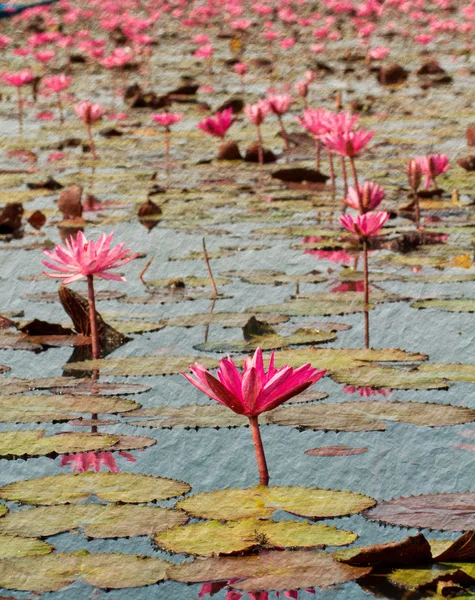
{"x":253,"y":391}
{"x":366,"y":225}
{"x":371,"y":195}
{"x":88,"y":112}
{"x":432,"y":165}
{"x":166,"y":119}
{"x":256,"y":113}
{"x":279,"y":104}
{"x":57,"y":83}
{"x":81,"y":259}
{"x":219,"y":124}
{"x":18,"y":78}
{"x":347,"y":143}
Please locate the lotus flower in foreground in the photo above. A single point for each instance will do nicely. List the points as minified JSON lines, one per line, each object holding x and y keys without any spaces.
{"x":253,"y":391}
{"x":366,"y":225}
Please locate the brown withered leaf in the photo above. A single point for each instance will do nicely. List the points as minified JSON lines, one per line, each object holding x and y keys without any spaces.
{"x":37,"y":219}
{"x":335,"y":451}
{"x":413,"y":550}
{"x":462,"y":550}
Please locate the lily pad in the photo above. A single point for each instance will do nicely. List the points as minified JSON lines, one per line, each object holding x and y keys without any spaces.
{"x":369,"y":416}
{"x":15,"y":444}
{"x":214,"y":538}
{"x":269,"y":277}
{"x":269,"y":342}
{"x":110,"y":487}
{"x":188,"y":281}
{"x":309,"y":308}
{"x":262,"y":502}
{"x":274,"y":570}
{"x":94,"y":520}
{"x":190,"y":416}
{"x":225,"y":319}
{"x":42,"y":408}
{"x":446,"y":511}
{"x":458,"y":305}
{"x":11,"y":546}
{"x":89,"y":387}
{"x":141,"y":366}
{"x":57,"y":571}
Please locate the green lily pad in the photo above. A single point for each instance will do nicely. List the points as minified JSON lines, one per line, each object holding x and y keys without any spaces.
{"x":214,"y":538}
{"x":459,"y":305}
{"x":42,"y":408}
{"x":224,"y":319}
{"x":445,"y":511}
{"x":94,"y":520}
{"x":309,"y":308}
{"x":110,"y":487}
{"x":56,"y":571}
{"x":369,"y":416}
{"x":11,"y":546}
{"x":393,"y":378}
{"x":189,"y":281}
{"x":413,"y":579}
{"x":129,"y":327}
{"x":141,"y":366}
{"x":189,"y":416}
{"x":262,"y":502}
{"x":269,"y":342}
{"x":269,"y":277}
{"x":274,"y":570}
{"x":3,"y":510}
{"x":337,"y":359}
{"x":15,"y":444}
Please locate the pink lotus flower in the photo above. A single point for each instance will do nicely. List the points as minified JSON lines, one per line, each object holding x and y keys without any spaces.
{"x":279,"y":103}
{"x":205,"y":51}
{"x":81,"y":259}
{"x":166,"y":119}
{"x":432,"y":165}
{"x":287,"y":43}
{"x":366,"y":225}
{"x":5,"y":41}
{"x":378,"y":53}
{"x":18,"y":78}
{"x":57,"y":83}
{"x":201,"y":38}
{"x":88,"y":112}
{"x":347,"y":143}
{"x":45,"y":56}
{"x":316,"y":121}
{"x":253,"y":391}
{"x":424,"y":38}
{"x":240,"y":68}
{"x":219,"y":124}
{"x":256,"y":113}
{"x":371,"y":195}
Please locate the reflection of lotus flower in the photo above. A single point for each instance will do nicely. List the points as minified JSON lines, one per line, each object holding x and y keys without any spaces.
{"x":80,"y":463}
{"x":352,"y":286}
{"x":365,"y":391}
{"x":253,"y":391}
{"x":231,"y":594}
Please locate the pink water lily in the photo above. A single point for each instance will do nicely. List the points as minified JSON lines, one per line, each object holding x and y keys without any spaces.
{"x":85,"y":260}
{"x":166,"y":119}
{"x":18,"y":79}
{"x":365,"y":225}
{"x":347,"y":143}
{"x":81,"y":259}
{"x":432,"y":165}
{"x":89,"y":113}
{"x":219,"y":124}
{"x":253,"y":391}
{"x":370,"y":195}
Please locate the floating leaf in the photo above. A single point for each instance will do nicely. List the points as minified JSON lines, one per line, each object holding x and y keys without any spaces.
{"x":261,"y":502}
{"x":369,"y":416}
{"x":90,"y":387}
{"x":188,"y":281}
{"x":446,"y":511}
{"x":110,"y":487}
{"x":335,"y":451}
{"x":414,"y":578}
{"x":56,"y":571}
{"x":268,"y":277}
{"x":410,"y":551}
{"x":274,"y":570}
{"x":224,"y":319}
{"x":22,"y":546}
{"x":391,"y":378}
{"x":189,"y":416}
{"x":141,"y":366}
{"x":466,"y":305}
{"x":15,"y":444}
{"x":214,"y":538}
{"x":268,"y":342}
{"x":94,"y":520}
{"x":40,"y":408}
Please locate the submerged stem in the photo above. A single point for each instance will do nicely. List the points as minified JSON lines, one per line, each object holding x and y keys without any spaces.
{"x":259,"y":449}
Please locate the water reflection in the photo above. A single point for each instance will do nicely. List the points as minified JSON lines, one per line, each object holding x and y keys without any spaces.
{"x":210,"y":589}
{"x":365,"y":391}
{"x":85,"y":461}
